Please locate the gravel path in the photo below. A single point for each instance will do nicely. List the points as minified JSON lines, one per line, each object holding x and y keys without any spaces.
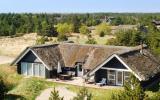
{"x":5,"y":59}
{"x":63,"y":92}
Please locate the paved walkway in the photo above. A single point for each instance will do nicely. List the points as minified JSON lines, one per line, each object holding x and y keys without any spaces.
{"x":63,"y":92}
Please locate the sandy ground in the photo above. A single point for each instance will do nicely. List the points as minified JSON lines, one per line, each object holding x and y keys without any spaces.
{"x":63,"y":92}
{"x":6,"y":59}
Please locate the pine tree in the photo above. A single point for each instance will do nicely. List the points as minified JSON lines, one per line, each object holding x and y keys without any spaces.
{"x":55,"y":95}
{"x":83,"y":95}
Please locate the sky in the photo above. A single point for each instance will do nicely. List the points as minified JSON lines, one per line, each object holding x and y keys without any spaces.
{"x":78,"y":6}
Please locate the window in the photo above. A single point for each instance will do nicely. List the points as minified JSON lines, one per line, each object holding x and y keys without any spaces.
{"x":24,"y":68}
{"x":41,"y":70}
{"x":35,"y":69}
{"x":111,"y":77}
{"x":126,"y":76}
{"x":29,"y":68}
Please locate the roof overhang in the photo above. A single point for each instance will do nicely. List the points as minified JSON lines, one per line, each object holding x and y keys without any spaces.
{"x":24,"y":53}
{"x":110,"y":58}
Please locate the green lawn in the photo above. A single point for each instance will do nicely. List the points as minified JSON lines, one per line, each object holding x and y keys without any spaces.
{"x":29,"y":88}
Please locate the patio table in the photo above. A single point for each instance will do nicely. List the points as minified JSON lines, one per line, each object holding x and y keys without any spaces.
{"x":65,"y":76}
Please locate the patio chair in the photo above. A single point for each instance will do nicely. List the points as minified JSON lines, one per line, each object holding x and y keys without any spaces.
{"x":102,"y":82}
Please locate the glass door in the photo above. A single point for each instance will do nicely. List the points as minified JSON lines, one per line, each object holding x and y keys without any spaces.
{"x":119,"y":78}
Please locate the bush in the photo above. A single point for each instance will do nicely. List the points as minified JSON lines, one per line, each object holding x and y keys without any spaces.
{"x":84,"y":30}
{"x":55,"y":95}
{"x":83,"y":95}
{"x":41,"y":40}
{"x":102,"y":34}
{"x":91,"y":41}
{"x":103,"y":27}
{"x":62,"y":37}
{"x":3,"y":88}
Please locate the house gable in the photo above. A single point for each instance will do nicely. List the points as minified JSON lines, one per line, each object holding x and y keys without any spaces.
{"x":108,"y":60}
{"x":114,"y":63}
{"x":30,"y":57}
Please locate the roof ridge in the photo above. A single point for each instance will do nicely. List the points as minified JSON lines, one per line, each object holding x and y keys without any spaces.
{"x":43,"y":45}
{"x":98,"y":45}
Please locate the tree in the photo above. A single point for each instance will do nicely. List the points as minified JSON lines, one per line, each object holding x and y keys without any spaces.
{"x":103,"y":27}
{"x":65,"y":28}
{"x":84,"y":30}
{"x":55,"y":95}
{"x":3,"y":89}
{"x":127,"y":38}
{"x":132,"y":91}
{"x":83,"y":95}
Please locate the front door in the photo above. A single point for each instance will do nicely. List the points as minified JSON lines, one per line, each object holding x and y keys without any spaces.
{"x":79,"y":70}
{"x":119,"y":78}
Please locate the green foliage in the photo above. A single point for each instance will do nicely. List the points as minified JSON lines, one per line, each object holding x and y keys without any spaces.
{"x":55,"y":95}
{"x":84,"y":30}
{"x":91,"y":41}
{"x":41,"y":40}
{"x":83,"y":95}
{"x":62,"y":37}
{"x":127,"y":38}
{"x":103,"y":27}
{"x":132,"y":91}
{"x":3,"y":88}
{"x":65,"y":28}
{"x":102,"y":34}
{"x":29,"y":88}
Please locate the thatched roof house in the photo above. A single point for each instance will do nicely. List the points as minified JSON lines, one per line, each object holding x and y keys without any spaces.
{"x":92,"y":59}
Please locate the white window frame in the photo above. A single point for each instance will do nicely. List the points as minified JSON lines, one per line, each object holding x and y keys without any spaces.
{"x":25,"y":68}
{"x":117,"y":78}
{"x":32,"y":66}
{"x":126,"y":76}
{"x":111,"y":75}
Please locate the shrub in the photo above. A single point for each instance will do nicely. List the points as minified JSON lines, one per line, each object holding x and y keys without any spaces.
{"x":3,"y":88}
{"x":103,"y":27}
{"x":83,"y":95}
{"x":55,"y":95}
{"x":91,"y":41}
{"x":41,"y":40}
{"x":84,"y":30}
{"x":62,"y":37}
{"x":102,"y":34}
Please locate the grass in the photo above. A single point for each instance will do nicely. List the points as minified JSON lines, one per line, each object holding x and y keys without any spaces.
{"x":29,"y":88}
{"x":98,"y":94}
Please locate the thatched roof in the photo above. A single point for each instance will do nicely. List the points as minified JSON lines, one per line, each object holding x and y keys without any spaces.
{"x":68,"y":54}
{"x":144,"y":65}
{"x":90,"y":55}
{"x":49,"y":54}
